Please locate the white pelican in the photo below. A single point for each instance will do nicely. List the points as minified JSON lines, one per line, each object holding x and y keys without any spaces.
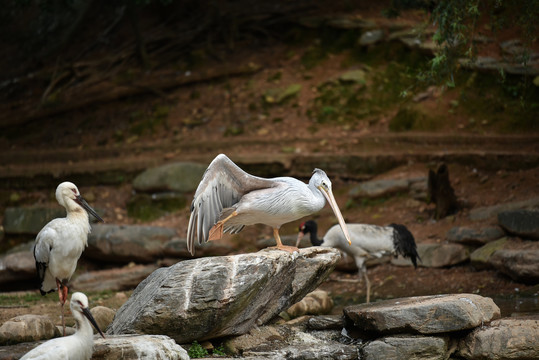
{"x":367,"y":241}
{"x":60,"y":243}
{"x":228,"y":198}
{"x":78,"y":346}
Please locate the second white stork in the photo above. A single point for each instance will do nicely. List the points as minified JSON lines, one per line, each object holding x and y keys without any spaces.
{"x":60,"y":243}
{"x":228,"y":198}
{"x":368,"y":241}
{"x":78,"y":346}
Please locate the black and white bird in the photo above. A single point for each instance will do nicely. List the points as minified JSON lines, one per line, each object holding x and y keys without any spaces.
{"x":60,"y":243}
{"x":228,"y":199}
{"x":78,"y":346}
{"x":368,"y":241}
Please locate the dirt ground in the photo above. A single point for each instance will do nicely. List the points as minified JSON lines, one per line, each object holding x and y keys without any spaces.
{"x":212,"y":111}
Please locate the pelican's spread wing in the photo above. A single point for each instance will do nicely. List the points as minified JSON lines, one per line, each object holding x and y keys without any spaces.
{"x":222,"y":186}
{"x":42,"y":251}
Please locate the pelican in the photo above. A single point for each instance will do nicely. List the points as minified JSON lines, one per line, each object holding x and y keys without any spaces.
{"x":367,"y":241}
{"x":78,"y":346}
{"x":227,"y":199}
{"x":60,"y":243}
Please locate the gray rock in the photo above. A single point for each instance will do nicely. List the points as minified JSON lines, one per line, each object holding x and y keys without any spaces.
{"x":437,"y":255}
{"x":126,"y":243}
{"x":27,"y":328}
{"x":523,"y":223}
{"x":521,"y":265}
{"x":486,"y":212}
{"x":326,"y":322}
{"x":371,"y":37}
{"x":288,"y":341}
{"x":406,"y":347}
{"x":125,"y":278}
{"x":470,"y":236}
{"x":214,"y":297}
{"x":479,"y":258}
{"x":378,"y":188}
{"x":103,"y":317}
{"x":148,"y":347}
{"x":423,"y":314}
{"x":18,"y":266}
{"x":29,"y":220}
{"x":179,"y":177}
{"x":508,"y":338}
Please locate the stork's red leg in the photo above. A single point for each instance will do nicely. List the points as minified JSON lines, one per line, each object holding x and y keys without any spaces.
{"x":62,"y":294}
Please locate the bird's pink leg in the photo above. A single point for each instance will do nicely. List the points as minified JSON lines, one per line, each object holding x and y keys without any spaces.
{"x":216,"y":232}
{"x":280,"y":245}
{"x":62,"y":294}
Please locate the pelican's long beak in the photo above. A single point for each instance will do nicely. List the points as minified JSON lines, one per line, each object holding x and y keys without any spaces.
{"x":80,"y":200}
{"x":331,"y":200}
{"x":89,"y":316}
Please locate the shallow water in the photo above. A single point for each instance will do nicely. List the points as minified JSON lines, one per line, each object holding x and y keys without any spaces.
{"x":518,"y":306}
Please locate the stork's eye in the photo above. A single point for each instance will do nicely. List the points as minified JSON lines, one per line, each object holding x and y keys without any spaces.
{"x":74,"y":191}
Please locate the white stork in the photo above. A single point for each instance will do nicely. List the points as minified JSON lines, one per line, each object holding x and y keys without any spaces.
{"x":60,"y":243}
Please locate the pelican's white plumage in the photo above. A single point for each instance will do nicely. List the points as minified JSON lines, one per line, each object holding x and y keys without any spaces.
{"x":60,"y":243}
{"x":368,"y":241}
{"x":78,"y":346}
{"x":228,"y":198}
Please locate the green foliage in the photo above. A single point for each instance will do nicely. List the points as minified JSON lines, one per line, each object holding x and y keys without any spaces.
{"x":457,"y":23}
{"x":197,"y":351}
{"x":507,"y":104}
{"x":219,"y":351}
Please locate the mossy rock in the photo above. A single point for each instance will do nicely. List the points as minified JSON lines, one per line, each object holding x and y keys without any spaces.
{"x":279,"y":95}
{"x":147,"y":207}
{"x":479,"y":257}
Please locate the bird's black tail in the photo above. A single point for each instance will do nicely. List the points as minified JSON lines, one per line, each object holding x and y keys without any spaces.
{"x":404,"y":243}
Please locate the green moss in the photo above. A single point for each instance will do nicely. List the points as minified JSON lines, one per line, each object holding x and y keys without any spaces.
{"x":408,"y":118}
{"x":145,"y":207}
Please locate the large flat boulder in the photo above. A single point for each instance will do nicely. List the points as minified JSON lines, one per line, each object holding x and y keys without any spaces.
{"x":126,"y":243}
{"x":437,"y":255}
{"x":523,"y":223}
{"x":179,"y":177}
{"x":214,"y":297}
{"x":521,"y":265}
{"x":406,"y":347}
{"x":155,"y":347}
{"x":474,"y":236}
{"x":18,"y":265}
{"x":30,"y":220}
{"x":508,"y":338}
{"x":124,"y":278}
{"x":27,"y":327}
{"x":423,"y":314}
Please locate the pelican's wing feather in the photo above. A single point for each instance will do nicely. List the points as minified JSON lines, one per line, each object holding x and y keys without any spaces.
{"x":222,"y":186}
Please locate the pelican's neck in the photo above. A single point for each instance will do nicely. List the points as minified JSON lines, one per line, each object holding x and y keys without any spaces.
{"x":318,"y":201}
